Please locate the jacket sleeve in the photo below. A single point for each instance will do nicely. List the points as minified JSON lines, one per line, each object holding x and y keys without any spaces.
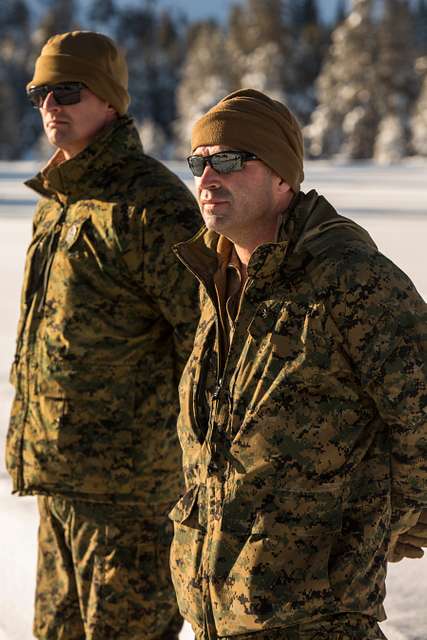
{"x":171,"y":287}
{"x":382,"y":319}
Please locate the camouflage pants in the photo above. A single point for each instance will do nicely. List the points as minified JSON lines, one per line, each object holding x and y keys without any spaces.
{"x":103,"y":573}
{"x":342,"y":627}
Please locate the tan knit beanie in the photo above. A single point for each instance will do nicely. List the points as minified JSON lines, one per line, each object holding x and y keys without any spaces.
{"x":248,"y":120}
{"x":87,"y":57}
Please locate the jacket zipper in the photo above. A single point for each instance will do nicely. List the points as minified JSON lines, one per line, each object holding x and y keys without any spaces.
{"x":51,"y":251}
{"x":44,"y":277}
{"x":219,"y":356}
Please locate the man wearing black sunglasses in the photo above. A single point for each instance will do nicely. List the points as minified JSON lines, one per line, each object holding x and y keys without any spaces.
{"x":303,"y":403}
{"x":107,"y":321}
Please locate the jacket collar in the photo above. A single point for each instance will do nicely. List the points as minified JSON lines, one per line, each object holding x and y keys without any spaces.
{"x":310,"y":227}
{"x":85,"y":175}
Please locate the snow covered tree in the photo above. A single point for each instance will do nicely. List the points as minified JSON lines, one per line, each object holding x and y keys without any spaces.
{"x":205,"y":79}
{"x":59,"y":16}
{"x":396,"y":81}
{"x":171,"y":54}
{"x":390,"y":143}
{"x":100,"y":13}
{"x":419,"y":118}
{"x":258,"y":24}
{"x":17,"y":119}
{"x":345,"y":120}
{"x":153,"y":139}
{"x":136,"y":31}
{"x":420,"y":27}
{"x":263,"y":70}
{"x":260,"y":47}
{"x":310,"y":41}
{"x":154,"y":49}
{"x":341,"y":12}
{"x":368,"y":85}
{"x":303,"y":12}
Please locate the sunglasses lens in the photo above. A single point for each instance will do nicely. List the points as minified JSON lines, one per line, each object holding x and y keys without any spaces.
{"x":63,"y":93}
{"x":197,"y":165}
{"x":226,"y":162}
{"x":37,"y":96}
{"x":223,"y":162}
{"x":67,"y":94}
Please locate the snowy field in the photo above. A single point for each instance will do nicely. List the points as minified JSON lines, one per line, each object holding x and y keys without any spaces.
{"x":391,"y":203}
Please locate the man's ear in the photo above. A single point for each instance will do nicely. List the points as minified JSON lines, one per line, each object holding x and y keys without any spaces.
{"x":112,"y":113}
{"x":282,"y":185}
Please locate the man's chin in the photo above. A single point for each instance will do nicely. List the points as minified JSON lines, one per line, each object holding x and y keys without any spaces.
{"x":214,"y":222}
{"x":55,"y":138}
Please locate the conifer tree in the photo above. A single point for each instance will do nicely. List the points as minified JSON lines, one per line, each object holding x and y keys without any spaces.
{"x":60,"y":16}
{"x":17,"y":121}
{"x":260,"y":47}
{"x":310,"y":41}
{"x":420,"y":24}
{"x":419,"y":118}
{"x":136,"y":30}
{"x":341,"y":13}
{"x":397,"y":85}
{"x":205,"y":79}
{"x":100,"y":13}
{"x":346,"y":120}
{"x":154,"y":51}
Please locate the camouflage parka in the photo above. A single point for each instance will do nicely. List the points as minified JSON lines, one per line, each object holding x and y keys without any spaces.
{"x":107,"y":323}
{"x":315,"y":445}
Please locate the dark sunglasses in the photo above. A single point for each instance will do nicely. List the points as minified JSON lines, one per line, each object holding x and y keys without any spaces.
{"x":64,"y":93}
{"x":221,"y":162}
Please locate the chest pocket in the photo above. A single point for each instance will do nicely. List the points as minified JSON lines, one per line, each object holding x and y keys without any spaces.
{"x":90,"y":235}
{"x":295,"y":336}
{"x":72,"y":234}
{"x":46,"y":225}
{"x":79,"y":239}
{"x":38,"y":254}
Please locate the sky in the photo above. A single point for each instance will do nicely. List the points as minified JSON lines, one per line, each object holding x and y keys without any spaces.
{"x":199,"y":9}
{"x":202,"y":9}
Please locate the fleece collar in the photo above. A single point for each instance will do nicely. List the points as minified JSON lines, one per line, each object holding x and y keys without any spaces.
{"x":310,"y":227}
{"x":87,"y":174}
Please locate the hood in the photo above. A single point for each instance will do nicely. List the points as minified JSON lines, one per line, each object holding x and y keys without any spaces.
{"x":87,"y":174}
{"x":314,"y":226}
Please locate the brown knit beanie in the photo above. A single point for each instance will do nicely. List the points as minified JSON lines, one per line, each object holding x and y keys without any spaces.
{"x":248,"y":120}
{"x":87,"y":57}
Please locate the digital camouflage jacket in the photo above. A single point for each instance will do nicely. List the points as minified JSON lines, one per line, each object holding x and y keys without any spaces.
{"x":315,"y":445}
{"x":107,"y":322}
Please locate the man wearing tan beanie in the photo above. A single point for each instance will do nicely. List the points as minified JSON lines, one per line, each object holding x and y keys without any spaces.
{"x":107,"y":322}
{"x":302,"y":405}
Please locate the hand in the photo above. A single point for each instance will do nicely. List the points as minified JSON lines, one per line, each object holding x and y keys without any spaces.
{"x":410,"y":543}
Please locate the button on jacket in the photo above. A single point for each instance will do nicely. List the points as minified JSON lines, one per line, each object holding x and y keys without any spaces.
{"x":313,"y":448}
{"x":107,"y":322}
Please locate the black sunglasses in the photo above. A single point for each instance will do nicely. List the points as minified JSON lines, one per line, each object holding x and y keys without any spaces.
{"x":64,"y":93}
{"x":221,"y":162}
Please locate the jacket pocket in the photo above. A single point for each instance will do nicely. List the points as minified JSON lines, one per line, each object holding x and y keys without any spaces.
{"x":357,"y":565}
{"x":277,"y":573}
{"x":301,"y":349}
{"x":186,"y":557}
{"x":72,"y":233}
{"x":85,"y":424}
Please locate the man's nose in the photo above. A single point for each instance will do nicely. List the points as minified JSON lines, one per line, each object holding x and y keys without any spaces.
{"x":210,"y":179}
{"x":50,"y":103}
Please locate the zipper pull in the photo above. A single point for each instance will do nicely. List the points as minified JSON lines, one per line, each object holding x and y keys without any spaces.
{"x":217,"y":389}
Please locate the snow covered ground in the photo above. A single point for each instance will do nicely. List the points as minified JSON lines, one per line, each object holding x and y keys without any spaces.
{"x":390,"y":202}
